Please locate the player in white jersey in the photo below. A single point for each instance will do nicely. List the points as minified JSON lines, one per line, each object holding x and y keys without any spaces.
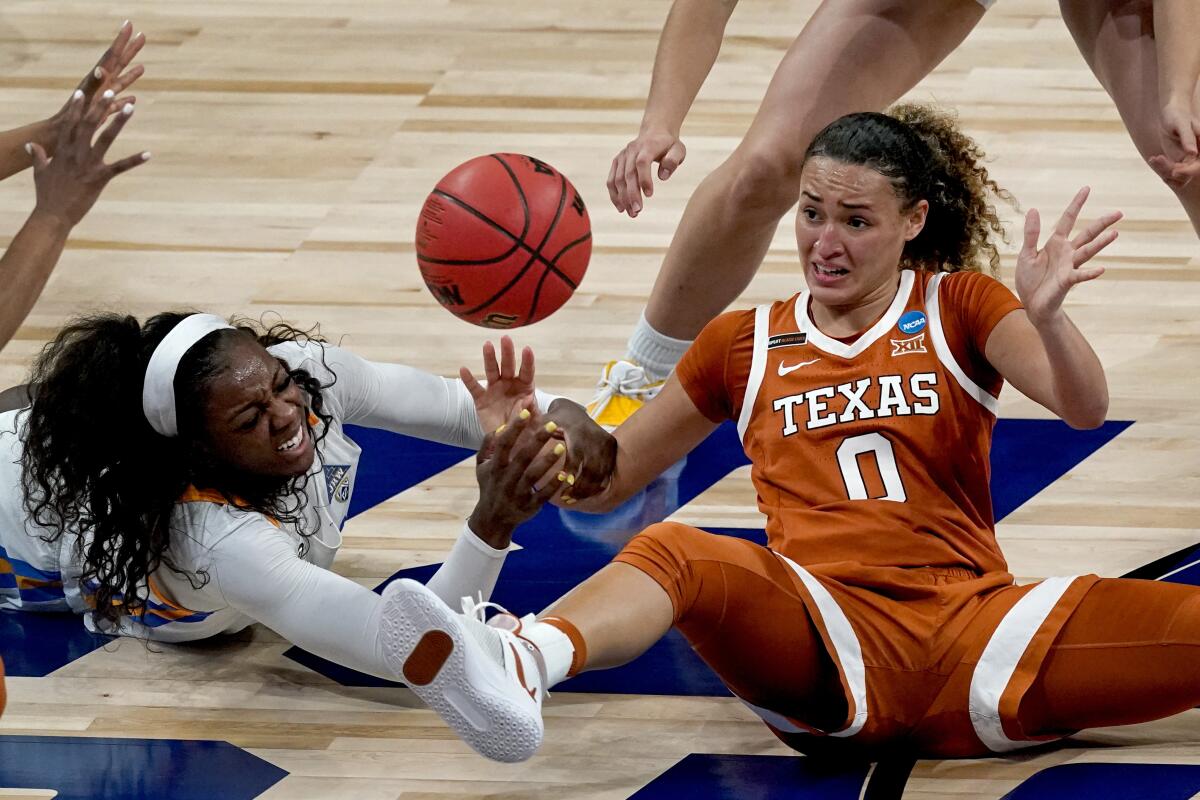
{"x":852,"y":55}
{"x":185,"y":478}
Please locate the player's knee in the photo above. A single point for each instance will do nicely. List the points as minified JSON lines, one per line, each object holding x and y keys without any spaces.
{"x":765,"y":179}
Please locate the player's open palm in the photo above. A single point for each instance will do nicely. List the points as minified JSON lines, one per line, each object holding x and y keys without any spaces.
{"x":69,"y":184}
{"x":632,"y":173}
{"x":509,"y":387}
{"x":1044,"y":276}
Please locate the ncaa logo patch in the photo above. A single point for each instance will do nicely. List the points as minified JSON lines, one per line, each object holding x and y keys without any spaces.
{"x":912,"y":322}
{"x":337,"y":481}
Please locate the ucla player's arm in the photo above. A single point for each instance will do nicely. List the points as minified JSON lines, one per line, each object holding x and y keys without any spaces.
{"x":658,"y":434}
{"x":258,"y":572}
{"x":1038,"y":349}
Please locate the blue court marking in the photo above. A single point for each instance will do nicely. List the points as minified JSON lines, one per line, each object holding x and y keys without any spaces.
{"x":1111,"y":782}
{"x":82,"y":768}
{"x":562,"y":547}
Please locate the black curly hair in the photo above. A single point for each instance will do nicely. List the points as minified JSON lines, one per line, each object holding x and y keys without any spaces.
{"x":92,"y":464}
{"x":926,"y":157}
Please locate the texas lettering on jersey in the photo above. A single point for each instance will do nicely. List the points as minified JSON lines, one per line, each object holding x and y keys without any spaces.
{"x":860,"y":399}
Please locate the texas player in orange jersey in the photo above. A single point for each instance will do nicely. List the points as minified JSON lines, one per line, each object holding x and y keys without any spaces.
{"x":881,"y":615}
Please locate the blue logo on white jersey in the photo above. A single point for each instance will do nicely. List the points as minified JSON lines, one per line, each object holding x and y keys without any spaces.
{"x":912,"y":322}
{"x":337,"y":481}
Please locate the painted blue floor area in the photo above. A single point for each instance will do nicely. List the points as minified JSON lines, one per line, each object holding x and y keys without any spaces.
{"x":700,"y":777}
{"x":81,"y":768}
{"x":1111,"y":782}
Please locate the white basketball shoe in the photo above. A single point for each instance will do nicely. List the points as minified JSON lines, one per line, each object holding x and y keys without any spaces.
{"x":483,"y":679}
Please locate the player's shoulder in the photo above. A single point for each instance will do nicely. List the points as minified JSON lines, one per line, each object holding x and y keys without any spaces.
{"x":967,"y":289}
{"x":203,"y":522}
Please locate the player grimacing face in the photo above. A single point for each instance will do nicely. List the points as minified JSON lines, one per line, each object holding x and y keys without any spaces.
{"x":851,"y":231}
{"x":256,"y":416}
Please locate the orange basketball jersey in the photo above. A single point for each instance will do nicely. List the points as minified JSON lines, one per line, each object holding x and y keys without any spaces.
{"x":873,"y":450}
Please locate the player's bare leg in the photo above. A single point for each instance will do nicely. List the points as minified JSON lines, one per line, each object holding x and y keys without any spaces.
{"x":852,"y":55}
{"x":1117,"y":41}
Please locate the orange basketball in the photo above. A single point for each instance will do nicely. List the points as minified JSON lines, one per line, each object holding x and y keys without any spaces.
{"x":503,"y":240}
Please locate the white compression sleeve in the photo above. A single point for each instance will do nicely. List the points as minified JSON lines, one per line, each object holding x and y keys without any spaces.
{"x":472,"y":567}
{"x":257,"y":571}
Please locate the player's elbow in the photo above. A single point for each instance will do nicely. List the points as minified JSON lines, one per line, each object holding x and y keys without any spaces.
{"x":1089,"y":417}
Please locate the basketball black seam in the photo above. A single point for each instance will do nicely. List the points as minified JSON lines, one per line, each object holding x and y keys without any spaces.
{"x":562,"y":203}
{"x":465,"y":206}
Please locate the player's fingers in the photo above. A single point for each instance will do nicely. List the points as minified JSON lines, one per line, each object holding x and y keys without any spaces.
{"x":671,"y":160}
{"x":127,"y":163}
{"x":508,"y":433}
{"x":486,"y":448}
{"x":111,"y":131}
{"x":543,"y":469}
{"x":1087,"y":252}
{"x":508,"y":357}
{"x":645,"y":178}
{"x":491,"y":369}
{"x":127,"y":78}
{"x":1084,"y":274}
{"x":1165,"y":169}
{"x":91,"y":82}
{"x":527,"y":371}
{"x":473,"y":385}
{"x":633,"y":195}
{"x":614,"y":193}
{"x":1033,"y":230}
{"x":40,"y":160}
{"x":1097,"y":227}
{"x":130,"y":51}
{"x":1067,"y":221}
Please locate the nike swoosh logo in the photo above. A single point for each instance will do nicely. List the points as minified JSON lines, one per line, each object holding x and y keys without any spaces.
{"x":784,"y":369}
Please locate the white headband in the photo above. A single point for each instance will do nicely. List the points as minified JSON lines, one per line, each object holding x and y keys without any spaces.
{"x":158,"y":391}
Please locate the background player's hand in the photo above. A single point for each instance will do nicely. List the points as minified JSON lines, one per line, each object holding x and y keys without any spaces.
{"x":517,"y":471}
{"x":1045,"y":276}
{"x":631,"y":174}
{"x":111,"y":73}
{"x":69,"y":184}
{"x":509,"y":387}
{"x":591,"y":453}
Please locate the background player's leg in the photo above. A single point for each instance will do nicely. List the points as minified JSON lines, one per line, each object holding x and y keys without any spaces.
{"x":734,"y":601}
{"x":853,"y":55}
{"x":1117,"y":41}
{"x":1130,"y":653}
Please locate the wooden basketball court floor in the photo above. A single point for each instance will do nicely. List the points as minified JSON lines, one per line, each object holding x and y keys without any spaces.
{"x":293,"y":145}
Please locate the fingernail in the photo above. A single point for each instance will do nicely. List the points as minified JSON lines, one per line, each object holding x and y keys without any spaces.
{"x":29,"y":148}
{"x":501,"y":428}
{"x":559,"y":449}
{"x":524,"y":413}
{"x":666,"y":174}
{"x":123,"y":24}
{"x":569,"y":501}
{"x":98,"y":73}
{"x":562,"y":476}
{"x":571,"y":479}
{"x":108,"y":94}
{"x":146,"y":156}
{"x":78,"y":95}
{"x":551,"y":427}
{"x":127,"y":109}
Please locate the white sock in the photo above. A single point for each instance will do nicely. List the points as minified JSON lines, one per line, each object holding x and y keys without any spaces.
{"x":655,"y":352}
{"x":555,"y":646}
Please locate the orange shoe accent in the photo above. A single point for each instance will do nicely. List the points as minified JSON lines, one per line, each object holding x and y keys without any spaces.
{"x":427,"y":658}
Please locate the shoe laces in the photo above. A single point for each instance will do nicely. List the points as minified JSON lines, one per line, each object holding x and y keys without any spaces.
{"x":475,"y":608}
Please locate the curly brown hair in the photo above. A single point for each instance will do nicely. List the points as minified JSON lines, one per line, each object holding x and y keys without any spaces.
{"x":92,"y":464}
{"x":926,"y":157}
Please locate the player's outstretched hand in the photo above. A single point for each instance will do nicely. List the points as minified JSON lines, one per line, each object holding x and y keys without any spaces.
{"x":111,"y":73}
{"x":591,"y":453}
{"x":517,"y":471}
{"x":630,"y":176}
{"x":509,"y":386}
{"x":69,"y":183}
{"x":1045,"y":276}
